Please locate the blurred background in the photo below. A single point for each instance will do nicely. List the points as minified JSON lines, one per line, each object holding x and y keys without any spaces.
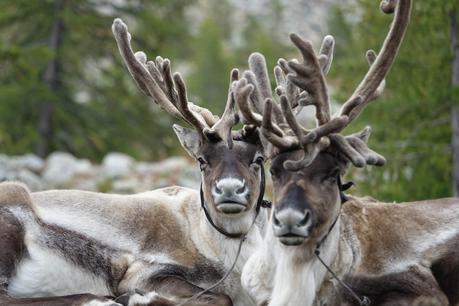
{"x":72,"y":117}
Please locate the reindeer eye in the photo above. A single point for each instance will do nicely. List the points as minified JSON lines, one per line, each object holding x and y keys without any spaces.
{"x":259,"y":160}
{"x":331,"y":176}
{"x":202,"y":163}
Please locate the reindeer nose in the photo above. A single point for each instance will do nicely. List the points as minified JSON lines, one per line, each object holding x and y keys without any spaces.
{"x":229,"y":187}
{"x":291,"y":222}
{"x":230,"y":195}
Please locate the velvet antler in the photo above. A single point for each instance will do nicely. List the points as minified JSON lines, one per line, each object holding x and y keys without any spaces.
{"x":303,"y":83}
{"x":155,"y":80}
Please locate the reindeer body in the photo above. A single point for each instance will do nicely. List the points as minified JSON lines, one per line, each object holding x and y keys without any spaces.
{"x":107,"y":245}
{"x":392,"y":253}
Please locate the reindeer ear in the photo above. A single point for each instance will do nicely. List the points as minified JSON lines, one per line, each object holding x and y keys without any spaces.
{"x":189,"y":139}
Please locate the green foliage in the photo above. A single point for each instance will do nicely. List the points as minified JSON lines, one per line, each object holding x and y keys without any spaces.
{"x":211,"y":68}
{"x":411,"y":125}
{"x":112,"y":115}
{"x":96,"y":106}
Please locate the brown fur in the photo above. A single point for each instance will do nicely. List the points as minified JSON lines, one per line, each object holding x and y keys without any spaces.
{"x":173,"y":240}
{"x":70,"y":300}
{"x":317,"y":196}
{"x":395,"y":288}
{"x":14,"y":193}
{"x":237,"y":162}
{"x":172,"y":190}
{"x":446,"y":271}
{"x":385,"y":239}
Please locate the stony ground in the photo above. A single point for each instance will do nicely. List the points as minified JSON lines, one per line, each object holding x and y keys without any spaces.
{"x":118,"y":173}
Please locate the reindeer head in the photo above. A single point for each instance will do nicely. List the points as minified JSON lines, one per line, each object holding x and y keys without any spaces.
{"x":306,"y":165}
{"x":230,"y":161}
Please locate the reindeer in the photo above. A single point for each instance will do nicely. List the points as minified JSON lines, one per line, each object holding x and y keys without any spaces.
{"x":324,"y":247}
{"x":162,"y":247}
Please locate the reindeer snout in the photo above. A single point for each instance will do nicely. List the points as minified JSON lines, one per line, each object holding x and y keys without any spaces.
{"x":291,"y":224}
{"x":230,"y":195}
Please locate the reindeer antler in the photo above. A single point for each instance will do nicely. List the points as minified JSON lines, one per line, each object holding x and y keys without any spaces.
{"x":302,"y":84}
{"x":155,"y":80}
{"x":278,"y":124}
{"x":373,"y":83}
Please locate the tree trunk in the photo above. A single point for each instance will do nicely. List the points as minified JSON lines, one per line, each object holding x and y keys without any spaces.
{"x":51,"y":78}
{"x":454,"y":103}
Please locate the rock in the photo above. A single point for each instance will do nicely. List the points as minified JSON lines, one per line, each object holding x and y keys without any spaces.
{"x":117,"y":165}
{"x":29,"y":161}
{"x":167,"y":166}
{"x":29,"y":178}
{"x":3,"y":167}
{"x":126,"y":186}
{"x":61,"y":167}
{"x":190,"y":178}
{"x":83,"y":183}
{"x":172,"y":164}
{"x":118,"y":172}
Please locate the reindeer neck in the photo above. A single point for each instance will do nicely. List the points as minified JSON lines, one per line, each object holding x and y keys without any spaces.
{"x":343,"y":263}
{"x":224,"y":249}
{"x":299,"y":274}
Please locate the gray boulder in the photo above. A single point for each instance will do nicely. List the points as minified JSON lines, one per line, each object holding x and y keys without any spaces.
{"x":116,"y":165}
{"x":62,"y":167}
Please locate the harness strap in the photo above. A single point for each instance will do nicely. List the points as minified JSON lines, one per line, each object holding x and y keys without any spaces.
{"x":363,"y":301}
{"x":260,"y":203}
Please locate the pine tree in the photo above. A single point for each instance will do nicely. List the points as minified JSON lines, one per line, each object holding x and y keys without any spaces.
{"x":62,"y":83}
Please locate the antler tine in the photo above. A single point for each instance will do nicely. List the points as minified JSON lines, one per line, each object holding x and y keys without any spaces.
{"x":242,"y":92}
{"x":255,"y":96}
{"x":311,"y":151}
{"x":368,"y":87}
{"x":356,"y":149}
{"x":161,"y":71}
{"x":359,"y":142}
{"x":300,"y":98}
{"x":310,"y":77}
{"x":155,"y":80}
{"x":285,"y":86}
{"x":313,"y":141}
{"x":141,"y":75}
{"x":222,"y":128}
{"x":268,"y":129}
{"x":326,"y":53}
{"x":371,"y":57}
{"x":258,"y":67}
{"x":290,"y":118}
{"x":183,"y":105}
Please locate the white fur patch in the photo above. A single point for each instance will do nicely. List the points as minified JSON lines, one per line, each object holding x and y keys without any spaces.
{"x":146,"y":299}
{"x":89,"y":223}
{"x":257,"y":275}
{"x":284,"y":275}
{"x":101,"y":303}
{"x":48,"y":274}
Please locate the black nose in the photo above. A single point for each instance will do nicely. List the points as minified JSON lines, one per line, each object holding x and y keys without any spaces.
{"x":292,"y":221}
